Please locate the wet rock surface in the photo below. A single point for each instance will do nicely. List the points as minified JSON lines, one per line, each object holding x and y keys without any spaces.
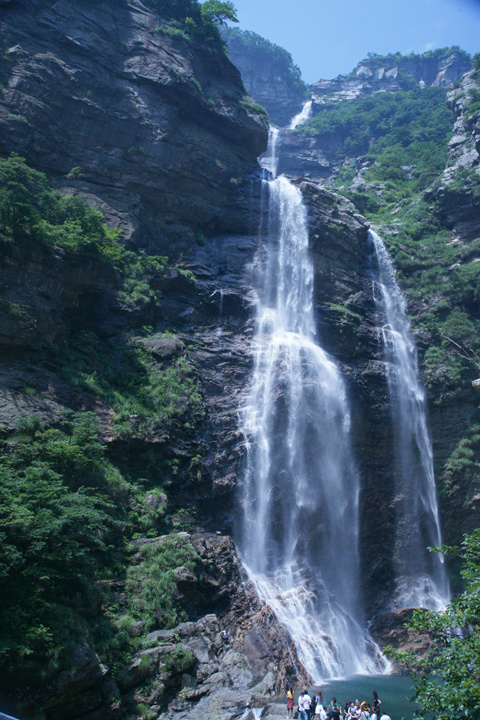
{"x":390,"y":630}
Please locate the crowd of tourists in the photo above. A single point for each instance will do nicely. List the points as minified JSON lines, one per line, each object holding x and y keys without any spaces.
{"x":313,"y":708}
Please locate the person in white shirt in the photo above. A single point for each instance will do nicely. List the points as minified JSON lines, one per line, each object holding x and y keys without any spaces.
{"x":306,"y":704}
{"x":385,"y":716}
{"x":301,"y":708}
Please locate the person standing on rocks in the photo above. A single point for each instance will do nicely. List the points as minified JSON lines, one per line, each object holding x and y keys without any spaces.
{"x":290,"y":703}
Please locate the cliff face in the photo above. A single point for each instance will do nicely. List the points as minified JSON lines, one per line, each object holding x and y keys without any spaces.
{"x":155,"y":129}
{"x":320,"y":155}
{"x":269,"y":74}
{"x":455,"y":414}
{"x":391,"y":73}
{"x":150,"y":122}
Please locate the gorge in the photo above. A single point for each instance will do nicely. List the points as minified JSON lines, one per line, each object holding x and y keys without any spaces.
{"x":204,"y":364}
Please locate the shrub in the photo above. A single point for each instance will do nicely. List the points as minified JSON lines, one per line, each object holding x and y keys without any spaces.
{"x":55,"y":538}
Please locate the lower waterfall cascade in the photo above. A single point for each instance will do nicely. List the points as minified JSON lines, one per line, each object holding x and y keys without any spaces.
{"x":421,"y":579}
{"x":300,"y":525}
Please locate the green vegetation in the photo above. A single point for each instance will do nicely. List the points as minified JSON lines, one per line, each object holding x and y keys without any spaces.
{"x":448,"y":679}
{"x":58,"y":527}
{"x":29,"y":208}
{"x":196,"y":20}
{"x":69,"y":506}
{"x":66,"y":513}
{"x":253,"y":108}
{"x":403,"y":140}
{"x":393,"y":131}
{"x":151,"y":581}
{"x":463,"y":465}
{"x":139,"y":390}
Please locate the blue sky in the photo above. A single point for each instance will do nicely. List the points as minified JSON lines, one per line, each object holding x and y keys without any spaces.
{"x":328,"y":37}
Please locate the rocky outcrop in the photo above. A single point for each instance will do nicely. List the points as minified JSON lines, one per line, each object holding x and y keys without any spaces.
{"x":218,"y":665}
{"x":459,"y":192}
{"x":319,"y":156}
{"x":392,"y":73}
{"x":44,"y":292}
{"x":84,"y":688}
{"x":390,"y":630}
{"x":148,"y":124}
{"x":347,"y":329}
{"x":457,"y":195}
{"x":269,"y":74}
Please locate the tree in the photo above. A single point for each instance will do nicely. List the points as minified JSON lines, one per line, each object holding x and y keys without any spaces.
{"x":448,"y":680}
{"x":218,"y":11}
{"x":57,"y":529}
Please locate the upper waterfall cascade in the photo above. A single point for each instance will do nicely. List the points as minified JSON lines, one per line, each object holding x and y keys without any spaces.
{"x":299,"y":538}
{"x":421,"y":579}
{"x":302,"y":116}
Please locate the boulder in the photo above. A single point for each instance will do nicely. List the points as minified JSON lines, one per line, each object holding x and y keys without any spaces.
{"x":86,"y":688}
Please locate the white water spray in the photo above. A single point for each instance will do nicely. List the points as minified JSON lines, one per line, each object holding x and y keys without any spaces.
{"x":421,"y":580}
{"x":300,"y":500}
{"x":302,"y":116}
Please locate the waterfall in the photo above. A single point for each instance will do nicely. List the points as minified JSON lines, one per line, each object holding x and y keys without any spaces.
{"x":421,"y":580}
{"x":302,"y":116}
{"x":270,"y":158}
{"x":299,"y":535}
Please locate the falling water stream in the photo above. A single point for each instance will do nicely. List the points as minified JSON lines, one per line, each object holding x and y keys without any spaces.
{"x":299,"y":538}
{"x":421,"y":580}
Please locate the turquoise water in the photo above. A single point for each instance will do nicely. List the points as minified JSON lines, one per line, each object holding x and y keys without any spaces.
{"x":393,"y":690}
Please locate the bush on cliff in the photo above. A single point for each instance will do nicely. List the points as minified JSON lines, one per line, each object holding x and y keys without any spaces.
{"x":197,"y":19}
{"x":58,"y":527}
{"x":29,"y":207}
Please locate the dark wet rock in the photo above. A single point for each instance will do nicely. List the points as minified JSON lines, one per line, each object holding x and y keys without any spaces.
{"x":86,"y":687}
{"x":45,"y":292}
{"x":153,"y":126}
{"x":391,"y":630}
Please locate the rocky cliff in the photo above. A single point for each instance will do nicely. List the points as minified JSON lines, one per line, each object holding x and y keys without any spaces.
{"x":154,"y":127}
{"x":319,"y":154}
{"x":390,"y":73}
{"x":269,"y":74}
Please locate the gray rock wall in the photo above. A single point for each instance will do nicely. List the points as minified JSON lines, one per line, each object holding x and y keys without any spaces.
{"x":152,"y":122}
